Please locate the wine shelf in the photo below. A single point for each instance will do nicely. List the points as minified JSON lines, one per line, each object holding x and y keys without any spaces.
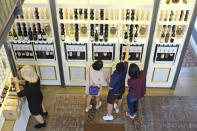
{"x":100,"y":23}
{"x":172,"y":25}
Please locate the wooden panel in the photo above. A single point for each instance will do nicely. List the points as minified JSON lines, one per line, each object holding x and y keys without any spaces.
{"x":104,"y":127}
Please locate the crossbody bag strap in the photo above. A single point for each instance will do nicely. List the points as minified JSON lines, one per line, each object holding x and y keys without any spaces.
{"x":89,"y":76}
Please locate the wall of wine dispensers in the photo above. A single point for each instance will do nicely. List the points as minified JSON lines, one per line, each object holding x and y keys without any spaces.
{"x":93,"y":30}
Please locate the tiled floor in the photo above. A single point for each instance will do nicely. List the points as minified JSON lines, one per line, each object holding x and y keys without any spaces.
{"x":187,"y":82}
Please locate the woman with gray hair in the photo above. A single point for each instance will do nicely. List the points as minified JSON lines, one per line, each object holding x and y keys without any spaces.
{"x":32,"y":92}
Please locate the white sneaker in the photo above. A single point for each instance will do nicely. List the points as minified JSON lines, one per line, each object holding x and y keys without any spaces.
{"x":99,"y":105}
{"x":116,"y":109}
{"x":88,"y":108}
{"x":131,"y":117}
{"x":108,"y":118}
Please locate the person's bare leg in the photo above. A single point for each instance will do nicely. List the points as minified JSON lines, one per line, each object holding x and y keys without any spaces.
{"x":39,"y":119}
{"x":109,"y":109}
{"x":43,"y":108}
{"x":88,"y":100}
{"x":116,"y":102}
{"x":97,"y":100}
{"x":119,"y":103}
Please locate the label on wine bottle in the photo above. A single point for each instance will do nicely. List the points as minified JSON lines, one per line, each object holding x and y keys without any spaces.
{"x":70,"y":53}
{"x":78,"y":53}
{"x":92,"y":38}
{"x":63,"y":37}
{"x":44,"y":37}
{"x":20,"y":38}
{"x":39,"y":37}
{"x":101,"y":37}
{"x":47,"y":53}
{"x":26,"y":38}
{"x":51,"y":53}
{"x":15,"y":38}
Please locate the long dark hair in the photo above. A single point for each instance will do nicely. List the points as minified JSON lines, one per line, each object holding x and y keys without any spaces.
{"x":134,"y":71}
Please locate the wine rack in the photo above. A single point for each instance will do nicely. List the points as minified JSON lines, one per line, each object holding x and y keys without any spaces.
{"x":32,"y":39}
{"x":104,"y":29}
{"x":5,"y":80}
{"x":4,"y":70}
{"x":172,"y":25}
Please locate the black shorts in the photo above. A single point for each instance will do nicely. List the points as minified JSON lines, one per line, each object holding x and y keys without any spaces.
{"x":35,"y":109}
{"x":111,"y":97}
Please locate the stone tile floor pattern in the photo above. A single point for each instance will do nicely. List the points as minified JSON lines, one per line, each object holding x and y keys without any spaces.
{"x":190,"y":59}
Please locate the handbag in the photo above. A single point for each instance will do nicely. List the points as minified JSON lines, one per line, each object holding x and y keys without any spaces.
{"x":93,"y":90}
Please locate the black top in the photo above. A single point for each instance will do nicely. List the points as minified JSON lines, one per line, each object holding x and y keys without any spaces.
{"x":32,"y":92}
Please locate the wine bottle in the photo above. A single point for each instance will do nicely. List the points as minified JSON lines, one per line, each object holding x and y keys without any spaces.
{"x":167,"y":1}
{"x":91,"y":32}
{"x":80,"y":14}
{"x":10,"y":36}
{"x":102,"y":14}
{"x":91,"y":14}
{"x":175,"y":1}
{"x":186,"y":15}
{"x":125,"y":35}
{"x":173,"y":27}
{"x":127,"y":14}
{"x":72,"y":33}
{"x":15,"y":35}
{"x":172,"y":37}
{"x":131,"y":36}
{"x":20,"y":34}
{"x":76,"y":36}
{"x":34,"y":33}
{"x":44,"y":35}
{"x":162,"y":34}
{"x":106,"y":36}
{"x":106,"y":33}
{"x":76,"y":14}
{"x":136,"y":36}
{"x":166,"y":15}
{"x":62,"y":35}
{"x":171,"y":15}
{"x":62,"y":32}
{"x":96,"y":36}
{"x":71,"y":13}
{"x":30,"y":34}
{"x":25,"y":34}
{"x":185,"y":1}
{"x":96,"y":14}
{"x":181,"y":15}
{"x":168,"y":34}
{"x":76,"y":32}
{"x":39,"y":34}
{"x":101,"y":33}
{"x":61,"y":13}
{"x":133,"y":15}
{"x":21,"y":16}
{"x":36,"y":13}
{"x":85,"y":14}
{"x":131,"y":33}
